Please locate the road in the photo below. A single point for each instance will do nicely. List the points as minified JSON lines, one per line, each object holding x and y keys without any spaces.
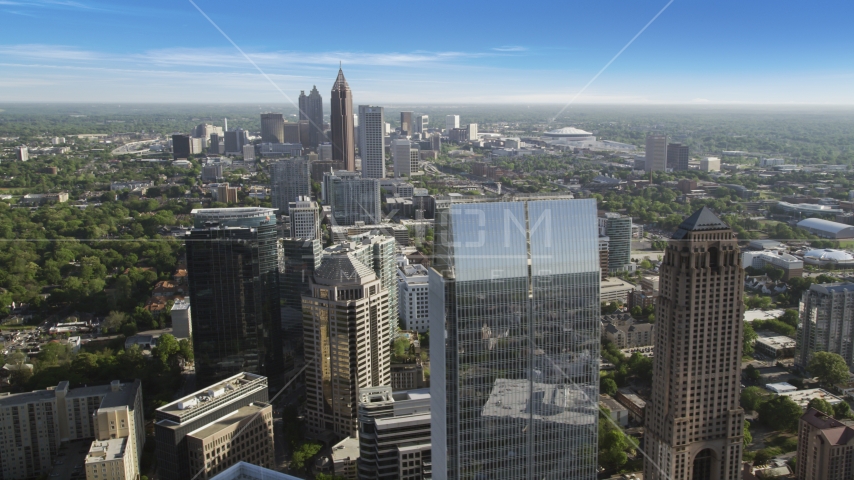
{"x":125,"y":149}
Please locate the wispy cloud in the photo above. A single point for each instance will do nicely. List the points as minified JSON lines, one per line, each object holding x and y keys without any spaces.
{"x":15,"y":12}
{"x":510,"y":48}
{"x":226,"y":58}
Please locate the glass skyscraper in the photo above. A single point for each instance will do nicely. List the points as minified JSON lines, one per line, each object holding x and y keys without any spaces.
{"x":233,"y":276}
{"x":618,"y":229}
{"x":515,"y":289}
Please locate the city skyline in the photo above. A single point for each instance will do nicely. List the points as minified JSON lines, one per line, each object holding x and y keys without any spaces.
{"x":724,"y":57}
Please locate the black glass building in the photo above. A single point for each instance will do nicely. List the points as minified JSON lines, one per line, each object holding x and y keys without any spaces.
{"x":232,"y":267}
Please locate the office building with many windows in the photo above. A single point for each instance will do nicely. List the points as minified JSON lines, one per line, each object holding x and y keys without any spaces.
{"x":694,"y":423}
{"x":33,"y":424}
{"x":233,"y":277}
{"x":352,"y":198}
{"x":305,"y":218}
{"x":372,"y":141}
{"x":677,"y":156}
{"x":346,"y":341}
{"x":301,"y":257}
{"x":618,"y":229}
{"x":289,"y":178}
{"x":826,"y":323}
{"x":272,"y":128}
{"x":341,"y":123}
{"x":656,"y":153}
{"x":394,"y":434}
{"x":311,"y":111}
{"x":203,"y":433}
{"x":514,"y":286}
{"x":414,"y":301}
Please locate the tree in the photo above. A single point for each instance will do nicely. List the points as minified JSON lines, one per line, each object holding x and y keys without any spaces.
{"x":781,"y":413}
{"x":790,"y":317}
{"x":775,"y":274}
{"x":608,"y":386}
{"x":751,"y":398}
{"x":749,"y":338}
{"x":841,"y":410}
{"x":637,"y":311}
{"x":304,"y":453}
{"x":114,"y":321}
{"x":821,"y":405}
{"x":752,"y":373}
{"x":400,"y":346}
{"x":748,"y":438}
{"x":645,"y":264}
{"x":830,"y":368}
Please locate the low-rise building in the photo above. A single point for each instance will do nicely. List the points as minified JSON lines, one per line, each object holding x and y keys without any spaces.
{"x":803,"y":397}
{"x":43,"y":198}
{"x":792,"y":266}
{"x":182,"y":326}
{"x":633,"y":402}
{"x":408,"y":376}
{"x":614,"y":289}
{"x":619,"y":413}
{"x":625,"y":331}
{"x":775,"y":345}
{"x":394,"y":434}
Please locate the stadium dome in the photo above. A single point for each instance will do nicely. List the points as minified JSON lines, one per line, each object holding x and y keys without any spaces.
{"x":570,"y":133}
{"x":826,"y":228}
{"x":829,"y":255}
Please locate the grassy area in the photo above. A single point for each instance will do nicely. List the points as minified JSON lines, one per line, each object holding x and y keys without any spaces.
{"x":17,"y":327}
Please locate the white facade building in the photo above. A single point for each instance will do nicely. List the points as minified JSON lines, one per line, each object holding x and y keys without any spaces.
{"x":452,"y":121}
{"x":372,"y":141}
{"x":710,"y":164}
{"x":305,"y":219}
{"x":414,"y":300}
{"x":406,"y":157}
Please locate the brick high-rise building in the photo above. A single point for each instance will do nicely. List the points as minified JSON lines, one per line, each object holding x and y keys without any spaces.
{"x":341,"y":123}
{"x":694,"y":422}
{"x":825,"y":448}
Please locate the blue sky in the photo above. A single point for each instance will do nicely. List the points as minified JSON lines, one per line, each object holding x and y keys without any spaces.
{"x":700,"y":52}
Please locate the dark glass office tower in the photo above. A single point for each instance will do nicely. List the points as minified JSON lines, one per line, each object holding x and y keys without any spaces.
{"x":301,"y":257}
{"x":311,"y":110}
{"x":272,"y":128}
{"x":341,"y":124}
{"x":515,"y":383}
{"x":677,"y":156}
{"x":232,"y":267}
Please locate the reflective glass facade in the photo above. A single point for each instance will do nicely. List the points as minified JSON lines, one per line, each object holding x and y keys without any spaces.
{"x":515,"y":287}
{"x":233,"y":278}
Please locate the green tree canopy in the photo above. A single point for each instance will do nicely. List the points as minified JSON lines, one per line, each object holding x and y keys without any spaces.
{"x":830,"y":368}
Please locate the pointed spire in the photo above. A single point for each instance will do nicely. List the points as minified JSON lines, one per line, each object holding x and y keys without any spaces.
{"x":702,"y":219}
{"x":340,"y":82}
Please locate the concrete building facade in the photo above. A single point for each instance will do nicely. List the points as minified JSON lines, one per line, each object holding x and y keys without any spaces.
{"x":694,"y":422}
{"x":345,"y":334}
{"x":656,"y":153}
{"x":825,"y":448}
{"x":826,"y":323}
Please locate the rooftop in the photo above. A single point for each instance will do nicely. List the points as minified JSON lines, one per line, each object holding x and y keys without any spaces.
{"x":248,"y":471}
{"x":241,"y":415}
{"x":343,"y":268}
{"x":233,"y":213}
{"x":564,"y":404}
{"x":106,"y":450}
{"x":702,"y":219}
{"x":803,"y":397}
{"x":214,"y":395}
{"x":824,"y":225}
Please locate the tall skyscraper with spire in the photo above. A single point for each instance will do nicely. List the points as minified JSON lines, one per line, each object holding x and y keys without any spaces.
{"x":694,"y":423}
{"x":341,"y":125}
{"x":311,"y":110}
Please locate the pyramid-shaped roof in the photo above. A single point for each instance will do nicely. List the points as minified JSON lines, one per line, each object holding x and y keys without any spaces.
{"x":702,"y":219}
{"x":340,"y":82}
{"x":342,"y":269}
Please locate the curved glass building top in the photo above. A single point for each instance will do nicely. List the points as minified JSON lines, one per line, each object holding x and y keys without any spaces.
{"x":234,"y":217}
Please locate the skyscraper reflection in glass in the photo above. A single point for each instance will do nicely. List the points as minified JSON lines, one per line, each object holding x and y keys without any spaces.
{"x":515,"y":288}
